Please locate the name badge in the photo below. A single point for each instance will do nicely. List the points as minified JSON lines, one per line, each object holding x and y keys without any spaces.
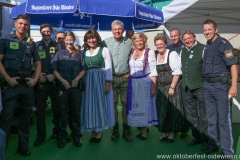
{"x":190,"y":56}
{"x":14,"y":45}
{"x":42,"y":54}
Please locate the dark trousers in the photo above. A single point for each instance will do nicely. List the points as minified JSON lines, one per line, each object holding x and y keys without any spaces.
{"x":43,"y":90}
{"x":219,"y":113}
{"x":22,"y":96}
{"x":195,"y":109}
{"x":69,"y":105}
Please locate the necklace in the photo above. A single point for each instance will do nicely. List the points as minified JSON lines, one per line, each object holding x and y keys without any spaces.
{"x":137,"y":55}
{"x":161,"y":57}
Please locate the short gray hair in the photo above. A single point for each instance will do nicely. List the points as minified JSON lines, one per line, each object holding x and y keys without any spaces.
{"x":117,"y":22}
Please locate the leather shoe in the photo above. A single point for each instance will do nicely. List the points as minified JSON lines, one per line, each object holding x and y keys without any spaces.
{"x":115,"y":134}
{"x":61,"y":143}
{"x":77,"y":142}
{"x":210,"y":150}
{"x":193,"y":142}
{"x":24,"y":152}
{"x":127,"y":136}
{"x":143,"y":138}
{"x":38,"y":142}
{"x":92,"y":139}
{"x":170,"y":140}
{"x":97,"y":140}
{"x":139,"y":134}
{"x":163,"y":138}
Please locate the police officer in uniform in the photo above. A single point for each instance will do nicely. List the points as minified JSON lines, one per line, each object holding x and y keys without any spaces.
{"x":16,"y":54}
{"x":45,"y":86}
{"x":220,"y":73}
{"x":68,"y":67}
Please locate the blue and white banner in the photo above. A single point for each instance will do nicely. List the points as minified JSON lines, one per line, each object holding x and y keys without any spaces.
{"x":148,"y":13}
{"x":85,"y":14}
{"x":49,"y":6}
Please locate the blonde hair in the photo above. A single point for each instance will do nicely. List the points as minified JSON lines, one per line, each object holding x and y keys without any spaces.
{"x":139,"y":35}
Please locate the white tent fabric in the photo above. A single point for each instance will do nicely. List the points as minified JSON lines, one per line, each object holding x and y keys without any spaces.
{"x":7,"y":22}
{"x":195,"y":12}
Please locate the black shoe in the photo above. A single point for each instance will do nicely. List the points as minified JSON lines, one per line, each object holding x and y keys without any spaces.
{"x":115,"y":134}
{"x":77,"y":142}
{"x":92,"y":139}
{"x":193,"y":142}
{"x":38,"y":142}
{"x":61,"y":143}
{"x":143,"y":138}
{"x":163,"y":138}
{"x":24,"y":152}
{"x":54,"y":136}
{"x":183,"y":135}
{"x":169,"y":140}
{"x":139,"y":134}
{"x":210,"y":149}
{"x":127,"y":136}
{"x":97,"y":140}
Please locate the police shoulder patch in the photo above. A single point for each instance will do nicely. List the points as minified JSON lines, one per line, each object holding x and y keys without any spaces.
{"x":228,"y":53}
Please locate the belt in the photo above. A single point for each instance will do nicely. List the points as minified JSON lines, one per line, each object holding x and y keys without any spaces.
{"x":120,"y":75}
{"x":212,"y":80}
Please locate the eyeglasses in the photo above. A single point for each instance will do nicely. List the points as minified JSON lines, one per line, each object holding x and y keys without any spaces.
{"x":160,"y":44}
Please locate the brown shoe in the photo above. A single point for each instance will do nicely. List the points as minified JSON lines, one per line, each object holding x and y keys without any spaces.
{"x":127,"y":136}
{"x":115,"y":134}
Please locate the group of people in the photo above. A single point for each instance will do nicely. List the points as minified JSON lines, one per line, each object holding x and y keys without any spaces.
{"x":177,"y":87}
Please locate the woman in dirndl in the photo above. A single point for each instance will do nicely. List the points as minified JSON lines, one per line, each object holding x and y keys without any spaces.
{"x":98,"y":107}
{"x":141,"y":106}
{"x":169,"y":105}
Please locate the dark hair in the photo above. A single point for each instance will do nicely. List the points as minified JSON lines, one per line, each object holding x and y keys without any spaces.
{"x":23,"y":16}
{"x":92,"y":33}
{"x":189,"y":32}
{"x":130,"y":29}
{"x":59,"y":32}
{"x":175,"y":29}
{"x":45,"y":25}
{"x":160,"y":36}
{"x":210,"y":22}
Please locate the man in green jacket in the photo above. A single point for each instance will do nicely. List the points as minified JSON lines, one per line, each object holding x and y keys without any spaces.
{"x":192,"y":88}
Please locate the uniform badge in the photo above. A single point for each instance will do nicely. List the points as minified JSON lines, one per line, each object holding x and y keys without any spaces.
{"x":228,"y":53}
{"x":14,"y":45}
{"x":39,"y":47}
{"x":52,"y":50}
